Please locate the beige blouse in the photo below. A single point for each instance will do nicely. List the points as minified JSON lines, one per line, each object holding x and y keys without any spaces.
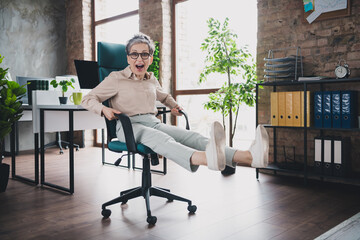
{"x":128,"y":94}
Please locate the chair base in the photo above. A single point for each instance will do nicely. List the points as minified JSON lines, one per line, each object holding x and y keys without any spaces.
{"x":59,"y":144}
{"x":146,"y":190}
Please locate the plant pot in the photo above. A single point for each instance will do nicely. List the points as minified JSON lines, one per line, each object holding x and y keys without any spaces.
{"x":4,"y":176}
{"x":63,"y":100}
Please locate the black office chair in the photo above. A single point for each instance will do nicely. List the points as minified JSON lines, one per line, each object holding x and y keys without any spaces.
{"x":113,"y":57}
{"x":146,"y":189}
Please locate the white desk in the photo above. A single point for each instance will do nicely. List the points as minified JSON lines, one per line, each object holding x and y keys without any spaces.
{"x":65,"y":118}
{"x":55,"y":118}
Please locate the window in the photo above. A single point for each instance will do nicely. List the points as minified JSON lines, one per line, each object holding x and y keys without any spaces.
{"x":116,"y":21}
{"x":111,"y":8}
{"x":190,"y":31}
{"x":118,"y":31}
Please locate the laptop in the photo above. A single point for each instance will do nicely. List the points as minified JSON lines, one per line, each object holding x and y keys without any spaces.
{"x":88,"y":73}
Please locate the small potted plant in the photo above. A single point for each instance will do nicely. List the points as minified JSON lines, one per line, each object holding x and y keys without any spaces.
{"x":65,"y":83}
{"x":11,"y":111}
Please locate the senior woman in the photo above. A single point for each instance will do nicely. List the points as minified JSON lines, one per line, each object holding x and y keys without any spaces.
{"x":134,"y":91}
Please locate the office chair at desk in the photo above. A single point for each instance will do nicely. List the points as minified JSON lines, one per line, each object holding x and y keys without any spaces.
{"x":112,"y":57}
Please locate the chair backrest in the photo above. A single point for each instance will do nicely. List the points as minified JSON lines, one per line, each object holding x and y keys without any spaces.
{"x":110,"y":57}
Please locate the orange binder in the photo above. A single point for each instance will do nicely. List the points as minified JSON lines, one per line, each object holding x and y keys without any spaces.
{"x":308,"y":109}
{"x":281,"y":108}
{"x":296,"y":99}
{"x":289,"y":109}
{"x":274,"y":109}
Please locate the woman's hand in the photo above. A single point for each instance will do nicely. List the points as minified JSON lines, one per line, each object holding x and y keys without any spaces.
{"x":109,"y":113}
{"x":175,"y":111}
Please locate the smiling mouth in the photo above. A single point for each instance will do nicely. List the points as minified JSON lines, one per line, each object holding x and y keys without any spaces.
{"x":140,"y":67}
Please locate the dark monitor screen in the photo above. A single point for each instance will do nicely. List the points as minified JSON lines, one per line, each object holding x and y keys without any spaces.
{"x":23,"y":81}
{"x":88,"y":73}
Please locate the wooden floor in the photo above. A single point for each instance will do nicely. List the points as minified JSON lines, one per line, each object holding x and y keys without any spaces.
{"x":234,"y":207}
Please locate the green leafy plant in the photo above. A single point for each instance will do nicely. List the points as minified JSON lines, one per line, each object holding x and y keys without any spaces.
{"x":65,"y":84}
{"x":10,"y":103}
{"x":225,"y":57}
{"x":155,"y":66}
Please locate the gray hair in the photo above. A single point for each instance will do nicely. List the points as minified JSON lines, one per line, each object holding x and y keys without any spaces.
{"x":140,"y":38}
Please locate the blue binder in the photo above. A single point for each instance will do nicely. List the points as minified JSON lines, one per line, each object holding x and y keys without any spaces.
{"x":336,"y":109}
{"x":327,"y":110}
{"x":318,"y":109}
{"x":348,"y":109}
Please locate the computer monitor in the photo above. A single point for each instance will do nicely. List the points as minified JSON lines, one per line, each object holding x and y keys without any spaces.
{"x":23,"y":81}
{"x":88,"y":73}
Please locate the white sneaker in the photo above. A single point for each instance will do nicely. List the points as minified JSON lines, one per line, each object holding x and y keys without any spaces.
{"x":215,"y":150}
{"x":259,"y":148}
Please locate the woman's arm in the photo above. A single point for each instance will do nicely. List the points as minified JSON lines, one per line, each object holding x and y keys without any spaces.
{"x":102,"y":92}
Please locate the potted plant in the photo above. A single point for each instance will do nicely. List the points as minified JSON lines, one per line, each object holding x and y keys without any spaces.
{"x":224,"y":57}
{"x":11,"y":111}
{"x":65,"y":83}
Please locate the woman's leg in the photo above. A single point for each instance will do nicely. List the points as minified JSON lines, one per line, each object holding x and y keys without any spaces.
{"x":196,"y":141}
{"x":162,"y":144}
{"x":258,"y":154}
{"x":242,"y":158}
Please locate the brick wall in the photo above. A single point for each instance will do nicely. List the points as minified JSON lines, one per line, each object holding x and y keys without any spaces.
{"x":74,"y":33}
{"x":78,"y":32}
{"x":87,"y":29}
{"x":155,"y":21}
{"x":281,"y":24}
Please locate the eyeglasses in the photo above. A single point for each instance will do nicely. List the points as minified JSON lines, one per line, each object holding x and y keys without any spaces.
{"x":135,"y":55}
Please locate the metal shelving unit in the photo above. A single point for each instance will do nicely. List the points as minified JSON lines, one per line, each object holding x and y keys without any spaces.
{"x":306,"y":172}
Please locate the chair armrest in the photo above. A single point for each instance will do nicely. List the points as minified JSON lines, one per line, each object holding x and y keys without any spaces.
{"x":186,"y":119}
{"x":182,"y":112}
{"x":128,"y":132}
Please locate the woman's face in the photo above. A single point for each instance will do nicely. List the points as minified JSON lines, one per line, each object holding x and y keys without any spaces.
{"x":140,"y":64}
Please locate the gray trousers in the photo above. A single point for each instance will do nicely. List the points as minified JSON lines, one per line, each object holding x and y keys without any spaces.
{"x":173,"y":142}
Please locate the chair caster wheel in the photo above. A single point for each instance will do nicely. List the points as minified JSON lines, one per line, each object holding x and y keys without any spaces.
{"x":192,"y":208}
{"x":170,"y":200}
{"x":151,"y":220}
{"x":77,"y":149}
{"x":61,"y":152}
{"x":124,"y":202}
{"x":106,"y":213}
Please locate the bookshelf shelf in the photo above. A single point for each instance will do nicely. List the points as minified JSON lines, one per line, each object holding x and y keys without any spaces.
{"x":306,"y":170}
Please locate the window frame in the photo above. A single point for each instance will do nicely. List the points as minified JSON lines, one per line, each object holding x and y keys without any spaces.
{"x":175,"y":91}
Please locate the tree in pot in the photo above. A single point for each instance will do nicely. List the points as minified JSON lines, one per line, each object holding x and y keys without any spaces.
{"x":224,"y":57}
{"x":65,"y":84}
{"x":11,"y":111}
